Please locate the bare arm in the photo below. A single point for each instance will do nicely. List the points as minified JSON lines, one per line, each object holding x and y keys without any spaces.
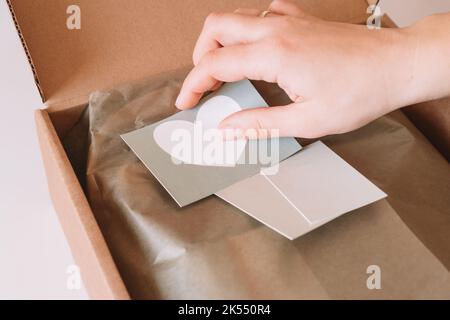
{"x":339,"y":76}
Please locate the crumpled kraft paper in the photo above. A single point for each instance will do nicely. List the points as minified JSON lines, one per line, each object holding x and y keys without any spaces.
{"x":211,"y":250}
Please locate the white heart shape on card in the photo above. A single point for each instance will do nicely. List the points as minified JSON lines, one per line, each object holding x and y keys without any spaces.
{"x":195,"y":143}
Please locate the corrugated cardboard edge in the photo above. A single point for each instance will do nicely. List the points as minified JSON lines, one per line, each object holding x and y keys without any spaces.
{"x":25,"y":48}
{"x":98,"y":270}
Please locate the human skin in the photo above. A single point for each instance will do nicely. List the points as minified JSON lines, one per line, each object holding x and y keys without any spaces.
{"x":339,"y":76}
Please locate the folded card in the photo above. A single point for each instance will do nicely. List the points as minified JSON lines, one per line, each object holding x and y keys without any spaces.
{"x":309,"y":189}
{"x":189,"y":155}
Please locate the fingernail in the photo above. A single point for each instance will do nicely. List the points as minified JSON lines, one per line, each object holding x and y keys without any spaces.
{"x":178,"y":102}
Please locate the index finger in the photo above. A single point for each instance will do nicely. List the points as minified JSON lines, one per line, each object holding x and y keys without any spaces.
{"x":226,"y":64}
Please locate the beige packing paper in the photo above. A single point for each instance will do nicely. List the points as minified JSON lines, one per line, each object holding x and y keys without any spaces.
{"x":211,"y":250}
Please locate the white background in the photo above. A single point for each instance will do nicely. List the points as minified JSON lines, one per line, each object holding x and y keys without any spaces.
{"x":34,"y":254}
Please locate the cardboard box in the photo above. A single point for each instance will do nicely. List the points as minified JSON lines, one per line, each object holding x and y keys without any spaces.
{"x":119,"y":41}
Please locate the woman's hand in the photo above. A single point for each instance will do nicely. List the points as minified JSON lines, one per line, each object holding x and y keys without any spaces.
{"x":339,"y":76}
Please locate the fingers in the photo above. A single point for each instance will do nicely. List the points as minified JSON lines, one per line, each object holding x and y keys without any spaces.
{"x":244,"y":11}
{"x":228,"y":29}
{"x":242,"y":26}
{"x":286,"y":7}
{"x":226,"y":64}
{"x":227,"y":50}
{"x":294,"y":120}
{"x":207,"y":42}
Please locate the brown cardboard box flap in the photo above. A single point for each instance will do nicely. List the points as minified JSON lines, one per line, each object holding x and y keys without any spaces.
{"x":121,"y":41}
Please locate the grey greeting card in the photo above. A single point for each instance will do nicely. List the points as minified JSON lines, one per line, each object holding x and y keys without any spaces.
{"x":190,"y":157}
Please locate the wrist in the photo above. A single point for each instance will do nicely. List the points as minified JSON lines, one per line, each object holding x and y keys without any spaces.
{"x":398,"y":64}
{"x":417,"y":63}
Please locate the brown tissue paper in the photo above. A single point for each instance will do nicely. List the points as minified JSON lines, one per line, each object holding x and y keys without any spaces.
{"x":211,"y":250}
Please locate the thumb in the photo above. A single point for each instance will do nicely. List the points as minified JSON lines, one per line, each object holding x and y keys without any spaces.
{"x":263,"y":122}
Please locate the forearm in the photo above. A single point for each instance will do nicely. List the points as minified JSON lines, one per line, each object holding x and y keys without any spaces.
{"x":424,"y":58}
